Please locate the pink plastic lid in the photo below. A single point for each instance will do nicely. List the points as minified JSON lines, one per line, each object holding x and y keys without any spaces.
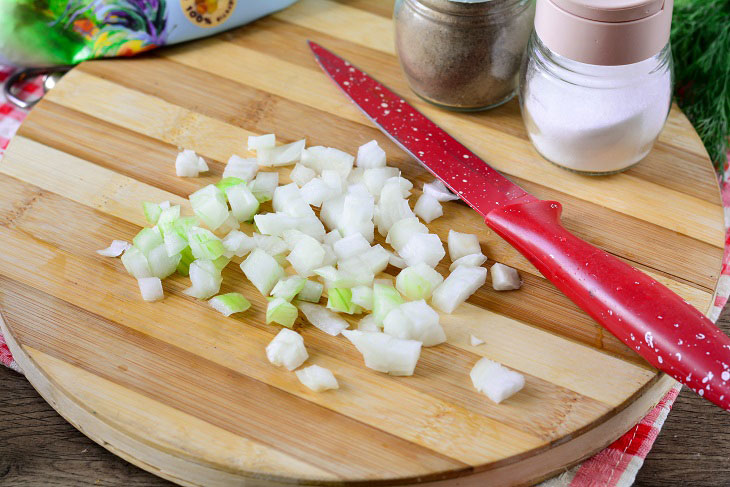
{"x":604,"y":32}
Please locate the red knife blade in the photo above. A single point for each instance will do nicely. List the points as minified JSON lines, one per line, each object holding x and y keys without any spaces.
{"x":662,"y":327}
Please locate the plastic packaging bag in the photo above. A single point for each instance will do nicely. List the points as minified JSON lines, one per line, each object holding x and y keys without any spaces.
{"x":63,"y":32}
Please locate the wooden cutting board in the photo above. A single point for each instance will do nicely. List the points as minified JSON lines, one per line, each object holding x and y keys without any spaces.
{"x":183,"y":392}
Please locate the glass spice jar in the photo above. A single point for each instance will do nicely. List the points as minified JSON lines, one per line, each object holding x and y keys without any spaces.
{"x":596,"y":84}
{"x":462,"y":55}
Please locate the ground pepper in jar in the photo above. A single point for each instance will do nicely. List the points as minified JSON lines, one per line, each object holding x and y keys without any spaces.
{"x":463,"y":55}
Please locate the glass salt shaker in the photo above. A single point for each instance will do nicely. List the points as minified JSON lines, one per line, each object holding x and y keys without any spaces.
{"x":596,"y":85}
{"x":463,"y":54}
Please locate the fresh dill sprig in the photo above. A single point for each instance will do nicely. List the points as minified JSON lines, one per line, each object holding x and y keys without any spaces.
{"x":701,"y":51}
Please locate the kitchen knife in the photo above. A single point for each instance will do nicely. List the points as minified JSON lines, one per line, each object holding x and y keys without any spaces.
{"x":662,"y":327}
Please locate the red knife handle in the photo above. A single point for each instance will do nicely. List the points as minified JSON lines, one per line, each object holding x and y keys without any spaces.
{"x":662,"y":327}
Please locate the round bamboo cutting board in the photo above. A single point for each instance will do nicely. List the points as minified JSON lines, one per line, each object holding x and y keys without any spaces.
{"x":188,"y":394}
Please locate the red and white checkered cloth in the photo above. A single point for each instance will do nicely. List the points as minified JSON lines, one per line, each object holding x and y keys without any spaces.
{"x":616,"y":466}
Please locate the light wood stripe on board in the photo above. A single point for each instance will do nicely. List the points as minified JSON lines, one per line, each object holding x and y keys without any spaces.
{"x":160,"y":424}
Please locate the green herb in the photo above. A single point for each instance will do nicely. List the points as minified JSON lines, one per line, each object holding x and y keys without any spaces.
{"x":701,"y":50}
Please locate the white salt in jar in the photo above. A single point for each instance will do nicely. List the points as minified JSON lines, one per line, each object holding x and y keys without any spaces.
{"x":596,"y":85}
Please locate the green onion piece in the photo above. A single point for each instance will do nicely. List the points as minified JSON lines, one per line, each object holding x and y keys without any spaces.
{"x":186,"y":258}
{"x":288,"y":287}
{"x":226,"y":183}
{"x":312,"y":291}
{"x":183,"y":225}
{"x":204,"y":244}
{"x":221,"y":262}
{"x":147,"y":239}
{"x":340,"y":299}
{"x":418,"y":282}
{"x":167,"y":219}
{"x":385,"y":298}
{"x":230,"y":303}
{"x":152,"y":212}
{"x":282,"y":312}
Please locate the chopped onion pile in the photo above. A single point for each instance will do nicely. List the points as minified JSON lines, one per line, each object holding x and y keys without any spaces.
{"x":333,"y":251}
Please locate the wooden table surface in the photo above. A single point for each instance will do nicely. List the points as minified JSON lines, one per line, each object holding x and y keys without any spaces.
{"x":38,"y":447}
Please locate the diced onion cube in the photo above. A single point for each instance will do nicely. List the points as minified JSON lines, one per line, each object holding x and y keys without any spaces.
{"x":189,"y":165}
{"x":315,"y":192}
{"x":505,"y":278}
{"x":423,"y":247}
{"x":385,"y":353}
{"x":438,"y":190}
{"x":317,"y":378}
{"x":266,"y":141}
{"x":418,"y":281}
{"x":402,"y":231}
{"x":242,"y":168}
{"x":363,"y":297}
{"x":288,"y":287}
{"x":262,"y":270}
{"x":136,"y":263}
{"x":350,"y":246}
{"x":340,"y":299}
{"x":495,"y":380}
{"x":238,"y":243}
{"x":396,"y":261}
{"x":174,"y":243}
{"x":147,"y":239}
{"x":151,"y":288}
{"x":415,"y":320}
{"x":302,"y":174}
{"x":428,"y":208}
{"x":161,"y":264}
{"x":244,"y":203}
{"x":209,"y":204}
{"x":385,"y":298}
{"x":471,"y":260}
{"x":264,"y":185}
{"x":282,"y":312}
{"x":152,"y":212}
{"x":280,"y":156}
{"x":116,"y":248}
{"x":375,"y":178}
{"x":461,"y":244}
{"x":392,"y":206}
{"x":370,"y":155}
{"x":460,"y":284}
{"x":168,"y":218}
{"x":367,"y":323}
{"x":230,"y":303}
{"x":324,"y":319}
{"x":276,"y":223}
{"x":287,"y":349}
{"x":306,"y":256}
{"x":204,"y":244}
{"x":270,"y":244}
{"x":312,"y":292}
{"x":474,"y":341}
{"x":323,"y":158}
{"x":205,"y":278}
